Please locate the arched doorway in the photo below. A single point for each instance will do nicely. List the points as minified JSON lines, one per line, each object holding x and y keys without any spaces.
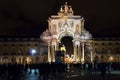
{"x":68,"y":44}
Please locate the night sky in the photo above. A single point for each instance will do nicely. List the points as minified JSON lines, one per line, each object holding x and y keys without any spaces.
{"x":29,"y":17}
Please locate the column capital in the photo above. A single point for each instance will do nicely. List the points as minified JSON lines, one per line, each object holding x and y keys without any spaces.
{"x":83,"y":44}
{"x":49,"y":43}
{"x":76,"y":43}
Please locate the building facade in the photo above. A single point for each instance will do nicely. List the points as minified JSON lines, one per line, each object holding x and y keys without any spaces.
{"x":65,"y":23}
{"x":107,"y":49}
{"x":20,"y":50}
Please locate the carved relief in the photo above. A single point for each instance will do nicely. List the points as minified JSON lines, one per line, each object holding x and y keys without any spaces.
{"x":76,"y":35}
{"x":71,"y":24}
{"x":60,"y":24}
{"x":54,"y":29}
{"x":77,"y":29}
{"x":49,"y":27}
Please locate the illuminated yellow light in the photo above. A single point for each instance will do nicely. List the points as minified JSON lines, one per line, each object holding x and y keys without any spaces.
{"x":111,"y":58}
{"x":28,"y":59}
{"x":63,"y":49}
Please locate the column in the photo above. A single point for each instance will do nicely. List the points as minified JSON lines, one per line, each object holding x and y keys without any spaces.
{"x":79,"y":53}
{"x":75,"y":52}
{"x":83,"y":52}
{"x":53,"y":53}
{"x":57,"y":46}
{"x":0,"y":60}
{"x":91,"y":52}
{"x":49,"y":56}
{"x":91,"y":55}
{"x":21,"y":59}
{"x":55,"y":50}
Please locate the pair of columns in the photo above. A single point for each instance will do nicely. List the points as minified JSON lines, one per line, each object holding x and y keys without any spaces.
{"x":51,"y":52}
{"x":79,"y":53}
{"x":78,"y":49}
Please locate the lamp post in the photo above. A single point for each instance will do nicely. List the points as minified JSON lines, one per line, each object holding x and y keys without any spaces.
{"x":33,"y":53}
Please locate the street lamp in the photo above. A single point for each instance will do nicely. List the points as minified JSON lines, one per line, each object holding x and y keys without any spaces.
{"x":33,"y":51}
{"x":110,"y":58}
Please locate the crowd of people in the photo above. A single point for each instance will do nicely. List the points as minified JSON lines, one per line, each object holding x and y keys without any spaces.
{"x":45,"y":70}
{"x":52,"y":70}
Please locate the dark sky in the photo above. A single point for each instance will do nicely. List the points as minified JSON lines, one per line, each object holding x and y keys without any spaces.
{"x":29,"y":17}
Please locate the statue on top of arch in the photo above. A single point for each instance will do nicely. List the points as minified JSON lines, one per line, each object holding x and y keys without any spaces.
{"x":65,"y":10}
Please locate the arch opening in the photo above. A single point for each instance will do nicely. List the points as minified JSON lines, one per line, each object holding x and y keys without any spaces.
{"x":67,"y":44}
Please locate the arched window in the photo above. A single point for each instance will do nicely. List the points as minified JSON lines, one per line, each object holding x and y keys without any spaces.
{"x":96,"y":50}
{"x":28,"y":51}
{"x":20,"y":51}
{"x":103,"y":44}
{"x":117,"y":43}
{"x":13,"y":44}
{"x":20,"y":45}
{"x":28,"y":44}
{"x":110,"y":43}
{"x":110,"y":50}
{"x":117,"y":50}
{"x":5,"y":44}
{"x":5,"y":51}
{"x":87,"y":50}
{"x":36,"y":44}
{"x":13,"y":51}
{"x":103,"y":50}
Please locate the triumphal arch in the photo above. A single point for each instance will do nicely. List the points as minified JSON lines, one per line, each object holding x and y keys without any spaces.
{"x":65,"y":23}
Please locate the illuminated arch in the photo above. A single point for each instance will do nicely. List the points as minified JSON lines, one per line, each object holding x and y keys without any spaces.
{"x":63,"y":34}
{"x":66,"y":24}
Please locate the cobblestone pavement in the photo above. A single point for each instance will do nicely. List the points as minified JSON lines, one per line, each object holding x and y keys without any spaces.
{"x":70,"y":75}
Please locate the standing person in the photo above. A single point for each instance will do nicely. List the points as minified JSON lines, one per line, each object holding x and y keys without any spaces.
{"x":30,"y":67}
{"x":103,"y":69}
{"x":26,"y":68}
{"x":109,"y":67}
